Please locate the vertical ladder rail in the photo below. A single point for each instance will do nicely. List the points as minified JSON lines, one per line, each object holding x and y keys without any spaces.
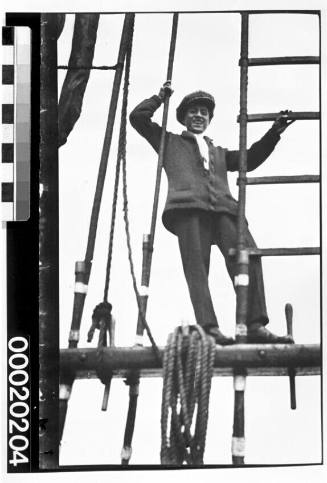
{"x":242,"y":252}
{"x":242,"y":278}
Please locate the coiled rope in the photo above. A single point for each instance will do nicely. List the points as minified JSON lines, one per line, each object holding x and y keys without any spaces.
{"x":187,"y":371}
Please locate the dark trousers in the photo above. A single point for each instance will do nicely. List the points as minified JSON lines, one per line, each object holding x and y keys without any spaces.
{"x":197,"y":230}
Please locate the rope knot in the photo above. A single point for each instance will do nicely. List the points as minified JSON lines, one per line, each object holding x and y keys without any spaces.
{"x":101,"y":313}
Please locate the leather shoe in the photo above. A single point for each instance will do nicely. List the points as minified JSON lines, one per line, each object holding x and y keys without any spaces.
{"x":261,"y":335}
{"x":219,"y":337}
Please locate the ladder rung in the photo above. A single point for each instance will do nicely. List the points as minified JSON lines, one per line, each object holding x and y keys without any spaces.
{"x":271,"y":116}
{"x":305,"y":178}
{"x":85,"y":67}
{"x":279,"y":252}
{"x":293,"y":60}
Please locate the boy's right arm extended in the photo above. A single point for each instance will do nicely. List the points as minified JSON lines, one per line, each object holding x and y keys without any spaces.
{"x":141,"y":120}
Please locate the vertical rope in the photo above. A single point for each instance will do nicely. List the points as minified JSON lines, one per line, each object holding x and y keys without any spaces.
{"x":141,"y":301}
{"x":121,"y":154}
{"x":128,"y":25}
{"x":125,"y":209}
{"x":112,"y":226}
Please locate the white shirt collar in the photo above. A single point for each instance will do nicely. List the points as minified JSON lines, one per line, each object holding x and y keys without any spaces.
{"x":204,"y":149}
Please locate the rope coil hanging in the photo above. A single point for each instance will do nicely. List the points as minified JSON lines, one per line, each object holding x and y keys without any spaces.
{"x":187,"y":372}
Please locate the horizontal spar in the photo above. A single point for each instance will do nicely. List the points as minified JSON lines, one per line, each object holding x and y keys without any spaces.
{"x":273,"y":357}
{"x":271,"y":116}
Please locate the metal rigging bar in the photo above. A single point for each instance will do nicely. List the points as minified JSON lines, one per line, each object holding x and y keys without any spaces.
{"x":242,"y":278}
{"x":133,"y":377}
{"x":149,"y":239}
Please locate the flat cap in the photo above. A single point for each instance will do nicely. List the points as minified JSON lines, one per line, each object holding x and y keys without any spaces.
{"x":195,"y":97}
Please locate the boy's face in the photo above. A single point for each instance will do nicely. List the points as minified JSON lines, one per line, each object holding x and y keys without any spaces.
{"x":197,"y":118}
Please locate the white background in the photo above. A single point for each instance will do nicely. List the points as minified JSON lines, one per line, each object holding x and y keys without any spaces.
{"x":206,"y":57}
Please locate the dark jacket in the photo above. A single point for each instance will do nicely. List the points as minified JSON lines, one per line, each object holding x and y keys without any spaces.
{"x":190,"y":185}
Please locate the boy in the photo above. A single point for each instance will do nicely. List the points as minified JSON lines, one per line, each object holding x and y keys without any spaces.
{"x":200,"y":209}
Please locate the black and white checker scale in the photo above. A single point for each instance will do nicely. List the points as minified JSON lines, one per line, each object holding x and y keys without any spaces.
{"x":8,"y":118}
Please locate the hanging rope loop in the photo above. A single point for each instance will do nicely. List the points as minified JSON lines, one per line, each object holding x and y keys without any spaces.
{"x":187,"y":372}
{"x":122,"y":158}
